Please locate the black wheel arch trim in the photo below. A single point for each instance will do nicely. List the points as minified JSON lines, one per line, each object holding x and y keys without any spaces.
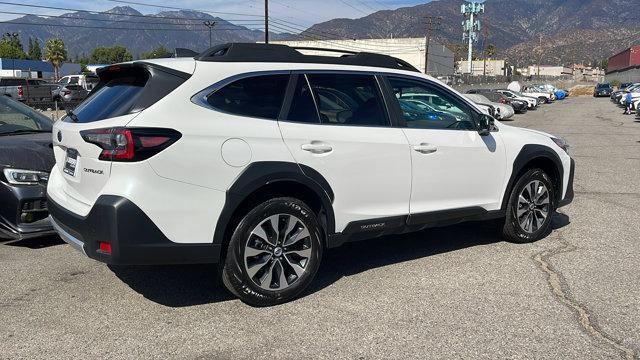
{"x":260,"y":174}
{"x":529,"y":153}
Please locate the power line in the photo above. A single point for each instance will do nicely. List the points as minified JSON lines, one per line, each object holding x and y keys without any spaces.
{"x":353,"y":7}
{"x":320,"y":34}
{"x":177,"y":8}
{"x":105,"y":20}
{"x":11,"y":22}
{"x":113,"y":14}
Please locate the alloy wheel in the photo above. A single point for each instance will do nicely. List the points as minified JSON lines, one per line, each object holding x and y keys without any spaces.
{"x":533,"y":206}
{"x":277,"y":252}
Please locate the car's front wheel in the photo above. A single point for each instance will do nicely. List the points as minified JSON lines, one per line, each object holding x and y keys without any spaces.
{"x":274,"y":253}
{"x":530,"y":207}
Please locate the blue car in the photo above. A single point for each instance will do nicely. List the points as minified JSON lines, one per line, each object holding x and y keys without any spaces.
{"x":560,"y":94}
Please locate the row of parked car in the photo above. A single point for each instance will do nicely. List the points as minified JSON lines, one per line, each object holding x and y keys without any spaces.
{"x":71,"y":88}
{"x":504,"y":103}
{"x":619,"y":96}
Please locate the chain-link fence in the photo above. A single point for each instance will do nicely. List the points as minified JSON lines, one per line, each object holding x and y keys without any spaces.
{"x":51,"y":105}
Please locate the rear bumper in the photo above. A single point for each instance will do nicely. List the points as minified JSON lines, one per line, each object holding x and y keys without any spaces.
{"x":134,"y":238}
{"x":568,"y":196}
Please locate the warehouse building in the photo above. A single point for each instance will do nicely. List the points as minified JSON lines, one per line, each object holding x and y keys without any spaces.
{"x":546,"y":70}
{"x":624,"y":66}
{"x":486,"y":68}
{"x":34,"y":69}
{"x":411,"y":50}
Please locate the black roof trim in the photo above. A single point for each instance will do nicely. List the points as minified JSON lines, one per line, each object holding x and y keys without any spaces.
{"x":256,"y":52}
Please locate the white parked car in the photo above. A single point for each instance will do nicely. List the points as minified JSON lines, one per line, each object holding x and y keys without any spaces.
{"x":503,"y":111}
{"x":88,"y":82}
{"x":260,"y":158}
{"x":542,"y":96}
{"x":532,"y":101}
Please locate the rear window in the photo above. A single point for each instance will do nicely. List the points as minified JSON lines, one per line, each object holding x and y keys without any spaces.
{"x":13,"y":82}
{"x":127,"y":90}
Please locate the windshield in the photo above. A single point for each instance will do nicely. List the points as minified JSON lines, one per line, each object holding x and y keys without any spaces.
{"x":16,"y":117}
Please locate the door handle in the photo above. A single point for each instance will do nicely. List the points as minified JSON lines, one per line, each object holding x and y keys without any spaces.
{"x":425,"y":148}
{"x":317,"y":147}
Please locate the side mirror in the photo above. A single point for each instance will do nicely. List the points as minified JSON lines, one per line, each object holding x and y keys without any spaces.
{"x":485,"y":125}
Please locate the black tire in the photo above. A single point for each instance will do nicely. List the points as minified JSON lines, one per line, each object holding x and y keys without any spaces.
{"x":512,"y":229}
{"x":235,"y":275}
{"x":542,"y":100}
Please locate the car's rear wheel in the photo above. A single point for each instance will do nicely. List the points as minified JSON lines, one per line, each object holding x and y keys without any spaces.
{"x":542,"y":100}
{"x":274,"y":253}
{"x":530,"y":208}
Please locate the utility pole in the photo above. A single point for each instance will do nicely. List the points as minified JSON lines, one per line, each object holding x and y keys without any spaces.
{"x":539,"y":55}
{"x":209,"y":24}
{"x":470,"y":27}
{"x":266,"y":21}
{"x":433,"y":23}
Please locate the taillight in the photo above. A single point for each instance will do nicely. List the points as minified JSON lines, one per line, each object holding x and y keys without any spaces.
{"x":20,"y":92}
{"x":130,"y":144}
{"x":503,"y":100}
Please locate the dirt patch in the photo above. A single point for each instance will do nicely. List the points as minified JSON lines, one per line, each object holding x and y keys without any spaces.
{"x":581,"y":90}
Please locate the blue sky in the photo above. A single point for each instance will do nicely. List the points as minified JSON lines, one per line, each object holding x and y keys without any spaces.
{"x":303,"y":12}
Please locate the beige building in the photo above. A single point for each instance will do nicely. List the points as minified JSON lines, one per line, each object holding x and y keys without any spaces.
{"x":411,"y":50}
{"x":546,"y":70}
{"x":485,"y":67}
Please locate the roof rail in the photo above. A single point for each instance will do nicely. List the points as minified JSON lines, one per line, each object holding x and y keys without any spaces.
{"x":256,"y":52}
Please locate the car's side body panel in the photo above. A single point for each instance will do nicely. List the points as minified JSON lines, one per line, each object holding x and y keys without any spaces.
{"x":192,"y":190}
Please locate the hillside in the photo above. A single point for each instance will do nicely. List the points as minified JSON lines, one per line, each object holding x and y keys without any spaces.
{"x":171,"y":29}
{"x":571,"y":30}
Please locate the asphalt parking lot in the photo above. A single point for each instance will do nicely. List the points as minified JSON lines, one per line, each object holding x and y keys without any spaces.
{"x":455,"y":292}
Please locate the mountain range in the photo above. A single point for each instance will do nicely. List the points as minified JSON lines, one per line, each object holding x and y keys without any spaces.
{"x":84,"y":31}
{"x":555,"y":31}
{"x":523,"y":31}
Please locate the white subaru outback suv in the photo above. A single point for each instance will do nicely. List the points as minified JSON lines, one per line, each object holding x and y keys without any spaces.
{"x":258,"y":158}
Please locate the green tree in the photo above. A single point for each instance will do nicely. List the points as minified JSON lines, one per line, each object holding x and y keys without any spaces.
{"x":34,"y":52}
{"x":159,"y":52}
{"x":55,"y":53}
{"x":110,"y":55}
{"x":11,"y":47}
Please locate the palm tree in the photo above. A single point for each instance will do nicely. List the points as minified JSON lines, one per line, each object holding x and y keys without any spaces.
{"x":490,"y":50}
{"x":56,"y":54}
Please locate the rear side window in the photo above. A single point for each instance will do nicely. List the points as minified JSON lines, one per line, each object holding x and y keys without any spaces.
{"x":303,"y":107}
{"x":127,"y":90}
{"x":257,"y":96}
{"x":13,"y":82}
{"x":348,"y":99}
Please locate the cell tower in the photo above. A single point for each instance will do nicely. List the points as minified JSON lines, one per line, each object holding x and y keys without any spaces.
{"x":471,"y":26}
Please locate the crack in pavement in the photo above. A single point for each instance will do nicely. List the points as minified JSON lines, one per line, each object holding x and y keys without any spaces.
{"x":560,"y":289}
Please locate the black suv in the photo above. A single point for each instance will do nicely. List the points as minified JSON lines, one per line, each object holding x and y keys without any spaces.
{"x":602,"y":90}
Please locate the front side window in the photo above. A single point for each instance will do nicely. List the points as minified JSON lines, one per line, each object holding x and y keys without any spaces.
{"x":256,"y":96}
{"x":425,"y":106}
{"x":348,"y":99}
{"x":16,"y":117}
